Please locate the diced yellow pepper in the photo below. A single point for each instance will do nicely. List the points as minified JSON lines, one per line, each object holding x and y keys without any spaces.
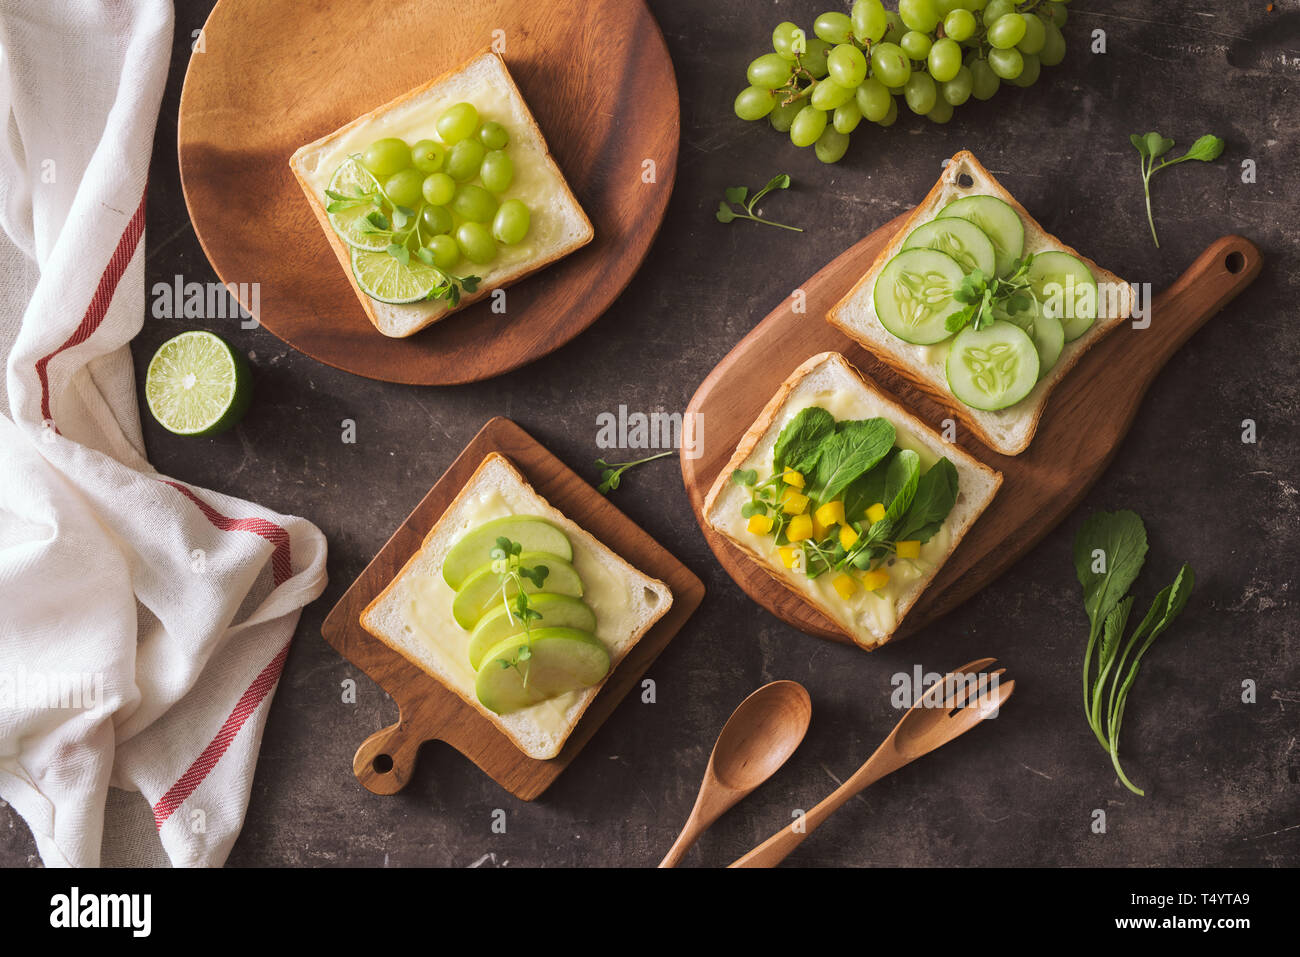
{"x":760,"y":524}
{"x":819,"y":530}
{"x":908,"y":549}
{"x":794,"y":503}
{"x":874,"y":580}
{"x":791,"y":477}
{"x":832,"y":513}
{"x":876,"y":513}
{"x":787,"y":555}
{"x":845,"y":586}
{"x":848,"y":536}
{"x":800,"y":528}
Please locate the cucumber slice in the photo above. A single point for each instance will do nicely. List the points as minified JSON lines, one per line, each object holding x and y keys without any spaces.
{"x":475,"y":546}
{"x":1067,"y":289}
{"x":557,"y":611}
{"x":997,"y":220}
{"x":1044,"y":330}
{"x":561,"y":660}
{"x":993,"y":367}
{"x":959,"y":238}
{"x":913,"y":295}
{"x":482,"y":589}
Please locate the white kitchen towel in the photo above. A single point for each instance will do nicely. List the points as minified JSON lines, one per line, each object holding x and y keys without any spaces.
{"x":144,"y":622}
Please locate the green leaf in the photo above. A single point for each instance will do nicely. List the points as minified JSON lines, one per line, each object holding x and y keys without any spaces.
{"x":724,"y":213}
{"x":750,"y":509}
{"x":936,"y":494}
{"x":866,"y":490}
{"x":400,"y":253}
{"x":746,"y":477}
{"x":736,"y":194}
{"x":1206,"y":149}
{"x":1157,"y":145}
{"x":426,"y":255}
{"x":1121,"y":540}
{"x":378,"y":220}
{"x":1140,"y":142}
{"x":800,"y":443}
{"x":779,"y":181}
{"x":900,"y":484}
{"x":855,"y":447}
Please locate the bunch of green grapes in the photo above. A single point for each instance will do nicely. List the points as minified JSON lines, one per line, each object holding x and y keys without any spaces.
{"x":935,"y":54}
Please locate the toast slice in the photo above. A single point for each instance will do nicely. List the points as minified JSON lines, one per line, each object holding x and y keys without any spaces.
{"x":559,"y":225}
{"x":829,"y":381}
{"x":1009,"y":430}
{"x":412,"y":614}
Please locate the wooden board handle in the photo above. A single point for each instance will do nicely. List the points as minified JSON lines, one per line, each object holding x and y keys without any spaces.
{"x":1226,"y":267}
{"x":385,"y":761}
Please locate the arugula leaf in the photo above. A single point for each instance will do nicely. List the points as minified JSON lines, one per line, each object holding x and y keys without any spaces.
{"x":854,"y":448}
{"x":800,"y":443}
{"x":936,"y":494}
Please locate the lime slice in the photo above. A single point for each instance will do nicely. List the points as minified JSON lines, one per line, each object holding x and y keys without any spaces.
{"x":197,"y":384}
{"x":382,"y":277}
{"x":351,"y":180}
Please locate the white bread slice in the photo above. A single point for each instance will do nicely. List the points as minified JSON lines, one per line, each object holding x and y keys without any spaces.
{"x":1008,"y":431}
{"x":559,"y":225}
{"x":541,"y":730}
{"x":828,"y":378}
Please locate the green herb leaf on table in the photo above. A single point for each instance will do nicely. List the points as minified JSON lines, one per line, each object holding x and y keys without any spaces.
{"x":736,"y":196}
{"x":1153,"y":146}
{"x":612,"y":472}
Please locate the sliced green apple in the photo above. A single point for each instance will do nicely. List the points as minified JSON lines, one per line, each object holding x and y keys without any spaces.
{"x":560,"y":660}
{"x":482,"y":588}
{"x":475,"y":547}
{"x":557,"y":611}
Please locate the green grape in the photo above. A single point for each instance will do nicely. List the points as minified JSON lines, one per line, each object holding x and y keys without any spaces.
{"x":807,"y":126}
{"x":833,"y":27}
{"x":1007,"y":31}
{"x":769,"y":71}
{"x":831,"y":145}
{"x":428,"y":156}
{"x":457,"y":123}
{"x":1053,"y":51}
{"x":944,"y":60}
{"x":959,"y":25}
{"x":915,"y":44}
{"x":403,"y":187}
{"x":497,"y":171}
{"x":445,"y":251}
{"x":438,"y":189}
{"x":958,"y":90}
{"x":920,"y":15}
{"x":474,"y":203}
{"x":783,"y":40}
{"x":873,"y":99}
{"x":493,"y":135}
{"x":828,"y":94}
{"x":1055,"y":13}
{"x":868,"y":18}
{"x":814,"y":60}
{"x":436,"y":220}
{"x":385,"y":157}
{"x":1006,"y":63}
{"x":892,"y":115}
{"x":783,"y":115}
{"x":894,"y":27}
{"x":510,"y":225}
{"x":754,"y":103}
{"x":476,"y":243}
{"x":997,"y":9}
{"x":847,"y":65}
{"x":984,"y":82}
{"x":846,"y":118}
{"x":896,"y":90}
{"x":975,"y":6}
{"x":942,"y":111}
{"x":946,"y":7}
{"x":890,"y":64}
{"x":1029,"y":75}
{"x":464,"y":160}
{"x":1035,"y":35}
{"x":921,"y":93}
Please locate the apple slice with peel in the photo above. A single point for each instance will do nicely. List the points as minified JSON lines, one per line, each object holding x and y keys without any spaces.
{"x":482,"y":589}
{"x":561,"y":660}
{"x":475,"y":548}
{"x":557,"y":611}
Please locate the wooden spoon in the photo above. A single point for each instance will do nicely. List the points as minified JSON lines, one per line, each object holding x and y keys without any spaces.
{"x":946,"y":709}
{"x":756,"y":740}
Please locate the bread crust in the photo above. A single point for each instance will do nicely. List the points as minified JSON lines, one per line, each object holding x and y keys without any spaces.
{"x":924,"y":212}
{"x":342,"y":251}
{"x":763,"y":425}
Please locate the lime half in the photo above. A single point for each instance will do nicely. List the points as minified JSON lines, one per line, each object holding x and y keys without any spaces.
{"x":382,"y":277}
{"x":351,"y":180}
{"x":197,"y":384}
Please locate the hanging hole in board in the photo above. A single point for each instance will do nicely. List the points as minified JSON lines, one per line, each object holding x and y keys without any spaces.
{"x":1235,"y":262}
{"x":383,"y":763}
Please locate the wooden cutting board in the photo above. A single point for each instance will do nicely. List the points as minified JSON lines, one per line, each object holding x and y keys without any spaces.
{"x":1087,"y":416}
{"x":427,"y":709}
{"x":272,"y":75}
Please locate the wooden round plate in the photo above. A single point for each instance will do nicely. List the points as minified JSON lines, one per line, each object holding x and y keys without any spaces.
{"x":271,"y":75}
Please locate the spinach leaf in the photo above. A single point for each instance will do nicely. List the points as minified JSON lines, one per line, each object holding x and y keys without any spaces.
{"x":851,"y":452}
{"x":936,"y":494}
{"x":900,"y":484}
{"x":866,"y":490}
{"x":800,"y":443}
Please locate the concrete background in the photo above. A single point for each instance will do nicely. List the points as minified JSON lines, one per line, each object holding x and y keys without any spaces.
{"x":1223,"y":777}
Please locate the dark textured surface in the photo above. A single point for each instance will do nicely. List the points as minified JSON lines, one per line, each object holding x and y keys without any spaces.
{"x":1223,"y":777}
